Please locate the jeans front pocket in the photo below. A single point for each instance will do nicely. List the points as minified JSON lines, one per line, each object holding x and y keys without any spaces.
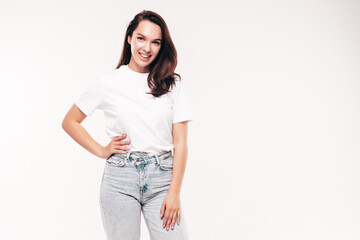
{"x":166,"y":164}
{"x":115,"y":161}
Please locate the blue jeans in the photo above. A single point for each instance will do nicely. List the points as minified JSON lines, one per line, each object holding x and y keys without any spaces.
{"x":133,"y":183}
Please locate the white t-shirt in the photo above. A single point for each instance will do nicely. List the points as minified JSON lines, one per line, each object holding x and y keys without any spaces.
{"x":145,"y":119}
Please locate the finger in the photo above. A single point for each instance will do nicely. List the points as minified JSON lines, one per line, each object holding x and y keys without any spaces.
{"x":162,"y":210}
{"x":120,"y":142}
{"x":124,"y":142}
{"x":120,"y":137}
{"x":173,"y":220}
{"x":121,"y":147}
{"x":178,"y":219}
{"x":169,"y":220}
{"x":166,"y":217}
{"x":120,"y":152}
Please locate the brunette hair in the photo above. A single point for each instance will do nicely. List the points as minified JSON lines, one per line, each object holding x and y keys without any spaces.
{"x":161,"y":76}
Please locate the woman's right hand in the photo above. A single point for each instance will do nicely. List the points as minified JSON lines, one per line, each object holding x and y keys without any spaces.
{"x":115,"y":146}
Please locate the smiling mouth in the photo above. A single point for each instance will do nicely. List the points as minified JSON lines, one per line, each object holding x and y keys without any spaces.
{"x":144,"y":56}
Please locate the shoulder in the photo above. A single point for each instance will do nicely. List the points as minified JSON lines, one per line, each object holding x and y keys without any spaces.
{"x":177,"y":78}
{"x":112,"y":73}
{"x":177,"y":83}
{"x":109,"y":76}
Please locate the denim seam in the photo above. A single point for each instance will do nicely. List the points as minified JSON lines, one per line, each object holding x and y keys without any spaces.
{"x":103,"y":209}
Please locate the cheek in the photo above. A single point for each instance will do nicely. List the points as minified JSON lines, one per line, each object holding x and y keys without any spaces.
{"x":135,"y":50}
{"x":135,"y":46}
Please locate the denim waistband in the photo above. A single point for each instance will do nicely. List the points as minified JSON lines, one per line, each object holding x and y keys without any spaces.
{"x":143,"y":156}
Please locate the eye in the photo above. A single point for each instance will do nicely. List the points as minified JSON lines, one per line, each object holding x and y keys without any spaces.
{"x":140,"y":38}
{"x":157,"y":43}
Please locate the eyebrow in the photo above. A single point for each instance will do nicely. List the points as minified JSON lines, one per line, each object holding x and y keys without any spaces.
{"x":159,"y":39}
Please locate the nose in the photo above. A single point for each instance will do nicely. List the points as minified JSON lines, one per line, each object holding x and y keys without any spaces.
{"x":147,"y":47}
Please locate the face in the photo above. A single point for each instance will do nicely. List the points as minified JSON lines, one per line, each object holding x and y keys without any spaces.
{"x":145,"y":45}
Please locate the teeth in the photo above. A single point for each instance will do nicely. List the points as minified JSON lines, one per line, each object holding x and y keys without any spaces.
{"x":144,"y":56}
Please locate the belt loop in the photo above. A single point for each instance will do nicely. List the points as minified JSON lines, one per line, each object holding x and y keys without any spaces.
{"x":128,"y":156}
{"x":157,"y":159}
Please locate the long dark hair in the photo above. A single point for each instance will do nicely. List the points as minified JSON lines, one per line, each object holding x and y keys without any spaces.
{"x":161,"y":76}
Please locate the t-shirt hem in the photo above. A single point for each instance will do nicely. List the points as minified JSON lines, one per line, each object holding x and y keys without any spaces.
{"x":83,"y":109}
{"x":183,"y":120}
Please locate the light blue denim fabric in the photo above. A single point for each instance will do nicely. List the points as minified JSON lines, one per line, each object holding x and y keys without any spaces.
{"x":133,"y":183}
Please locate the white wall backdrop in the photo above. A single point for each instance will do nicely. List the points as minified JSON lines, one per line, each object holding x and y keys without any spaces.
{"x":274,"y":152}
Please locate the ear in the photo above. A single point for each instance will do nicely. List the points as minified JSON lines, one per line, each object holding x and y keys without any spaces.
{"x":129,"y":40}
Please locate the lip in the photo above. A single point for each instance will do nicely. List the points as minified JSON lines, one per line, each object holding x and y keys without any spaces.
{"x":144,"y":59}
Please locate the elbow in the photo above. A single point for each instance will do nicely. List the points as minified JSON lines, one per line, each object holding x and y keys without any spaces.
{"x":180,"y":142}
{"x":64,"y":124}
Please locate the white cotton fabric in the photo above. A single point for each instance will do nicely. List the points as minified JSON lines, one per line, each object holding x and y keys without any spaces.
{"x":145,"y":119}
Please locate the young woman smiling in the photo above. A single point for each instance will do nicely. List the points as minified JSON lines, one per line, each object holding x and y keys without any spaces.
{"x":147,"y":114}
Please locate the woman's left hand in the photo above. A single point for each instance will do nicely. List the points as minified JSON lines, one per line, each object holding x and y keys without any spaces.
{"x":171,"y":207}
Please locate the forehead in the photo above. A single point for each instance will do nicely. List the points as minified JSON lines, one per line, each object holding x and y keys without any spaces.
{"x":148,"y":29}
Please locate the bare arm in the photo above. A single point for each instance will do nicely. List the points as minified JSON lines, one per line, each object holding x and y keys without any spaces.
{"x":72,"y":126}
{"x":180,"y":155}
{"x":170,"y":208}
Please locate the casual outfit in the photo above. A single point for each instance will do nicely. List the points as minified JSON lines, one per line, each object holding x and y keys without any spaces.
{"x":138,"y":180}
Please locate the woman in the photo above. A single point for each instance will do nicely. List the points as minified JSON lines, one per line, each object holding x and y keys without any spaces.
{"x":147,"y":112}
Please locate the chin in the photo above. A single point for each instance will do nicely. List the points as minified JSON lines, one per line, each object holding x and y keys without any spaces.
{"x":144,"y":65}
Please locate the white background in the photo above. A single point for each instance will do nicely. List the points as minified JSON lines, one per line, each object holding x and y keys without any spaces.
{"x":273,"y":153}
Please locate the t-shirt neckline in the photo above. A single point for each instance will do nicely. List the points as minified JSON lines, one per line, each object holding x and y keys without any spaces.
{"x":134,"y":72}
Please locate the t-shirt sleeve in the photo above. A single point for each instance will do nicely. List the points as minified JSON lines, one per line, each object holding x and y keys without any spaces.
{"x":182,"y":110}
{"x":91,"y":99}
